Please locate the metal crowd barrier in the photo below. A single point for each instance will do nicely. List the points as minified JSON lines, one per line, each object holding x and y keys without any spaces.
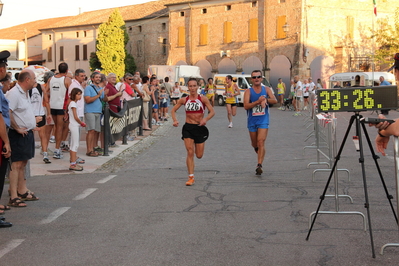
{"x":330,"y":123}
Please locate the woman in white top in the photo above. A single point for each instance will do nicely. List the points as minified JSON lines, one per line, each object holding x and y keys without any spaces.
{"x":74,"y":124}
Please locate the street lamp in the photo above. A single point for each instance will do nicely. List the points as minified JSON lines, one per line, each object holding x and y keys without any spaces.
{"x":1,"y":7}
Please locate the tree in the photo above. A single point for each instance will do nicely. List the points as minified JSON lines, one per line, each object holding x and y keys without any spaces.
{"x":94,"y":62}
{"x":129,"y":60}
{"x":111,"y":45}
{"x":386,"y":38}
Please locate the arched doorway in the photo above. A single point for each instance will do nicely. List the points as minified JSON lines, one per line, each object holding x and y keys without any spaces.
{"x":322,"y":67}
{"x":205,"y":68}
{"x":227,"y":66}
{"x":181,"y":62}
{"x":250,"y":64}
{"x":280,"y":67}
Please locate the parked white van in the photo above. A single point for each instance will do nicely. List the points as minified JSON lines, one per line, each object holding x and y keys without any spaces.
{"x":243,"y":82}
{"x":349,"y":79}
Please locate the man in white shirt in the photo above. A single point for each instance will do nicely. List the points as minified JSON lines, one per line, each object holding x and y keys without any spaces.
{"x":21,"y":137}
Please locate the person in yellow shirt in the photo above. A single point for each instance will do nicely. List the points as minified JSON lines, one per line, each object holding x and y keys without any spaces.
{"x":281,"y":92}
{"x":231,"y":91}
{"x":210,"y":91}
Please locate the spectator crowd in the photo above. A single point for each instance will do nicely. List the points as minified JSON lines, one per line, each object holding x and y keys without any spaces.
{"x":56,"y":107}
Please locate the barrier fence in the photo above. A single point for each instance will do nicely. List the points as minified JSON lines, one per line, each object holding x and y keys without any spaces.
{"x":129,"y":118}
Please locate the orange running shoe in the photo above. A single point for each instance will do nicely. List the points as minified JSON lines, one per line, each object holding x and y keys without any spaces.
{"x":190,"y":181}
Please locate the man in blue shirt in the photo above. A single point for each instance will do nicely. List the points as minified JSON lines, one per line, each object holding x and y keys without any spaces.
{"x":4,"y":124}
{"x":93,"y":95}
{"x":383,"y":82}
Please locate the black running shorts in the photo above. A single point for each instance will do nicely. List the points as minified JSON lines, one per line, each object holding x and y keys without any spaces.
{"x":193,"y":131}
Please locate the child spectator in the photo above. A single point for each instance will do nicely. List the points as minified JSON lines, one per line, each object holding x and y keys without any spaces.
{"x":74,"y":123}
{"x":163,"y":103}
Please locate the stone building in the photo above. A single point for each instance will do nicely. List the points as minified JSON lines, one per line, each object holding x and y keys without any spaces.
{"x":72,"y":40}
{"x":282,"y":38}
{"x":309,"y":38}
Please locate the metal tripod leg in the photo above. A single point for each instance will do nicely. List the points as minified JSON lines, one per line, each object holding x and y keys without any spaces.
{"x":333,"y":170}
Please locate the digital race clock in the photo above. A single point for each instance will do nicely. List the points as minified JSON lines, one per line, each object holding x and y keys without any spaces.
{"x":356,"y":99}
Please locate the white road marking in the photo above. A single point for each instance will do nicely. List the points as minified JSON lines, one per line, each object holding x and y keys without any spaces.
{"x":85,"y":193}
{"x":10,"y":246}
{"x":108,"y":178}
{"x":54,"y":215}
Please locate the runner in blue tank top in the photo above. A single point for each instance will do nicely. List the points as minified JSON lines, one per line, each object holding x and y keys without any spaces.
{"x":256,"y":102}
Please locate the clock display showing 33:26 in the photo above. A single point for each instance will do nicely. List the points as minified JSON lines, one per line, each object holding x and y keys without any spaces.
{"x":356,"y":99}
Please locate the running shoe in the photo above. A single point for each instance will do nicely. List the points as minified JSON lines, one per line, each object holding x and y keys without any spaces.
{"x":259,"y":169}
{"x":231,"y":125}
{"x":52,"y":139}
{"x":45,"y":158}
{"x":64,"y":147}
{"x":58,"y":155}
{"x":190,"y":181}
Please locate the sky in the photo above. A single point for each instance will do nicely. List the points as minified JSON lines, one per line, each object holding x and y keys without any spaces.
{"x":17,"y":12}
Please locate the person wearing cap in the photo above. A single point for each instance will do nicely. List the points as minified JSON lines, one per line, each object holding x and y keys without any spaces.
{"x":385,"y":129}
{"x":22,"y":142}
{"x":4,"y":124}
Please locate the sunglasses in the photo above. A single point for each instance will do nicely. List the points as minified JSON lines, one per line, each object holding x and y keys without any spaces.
{"x":129,"y":79}
{"x":256,"y":77}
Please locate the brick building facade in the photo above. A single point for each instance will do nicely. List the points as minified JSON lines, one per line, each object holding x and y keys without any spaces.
{"x":281,"y":37}
{"x":293,"y":37}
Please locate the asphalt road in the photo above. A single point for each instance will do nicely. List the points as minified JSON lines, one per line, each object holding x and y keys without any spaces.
{"x":141,"y":212}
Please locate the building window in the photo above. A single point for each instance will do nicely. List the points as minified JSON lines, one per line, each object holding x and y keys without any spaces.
{"x":282,"y":1}
{"x":350,"y":23}
{"x":77,"y":34}
{"x":77,"y":53}
{"x":49,"y":37}
{"x":163,"y":26}
{"x":203,"y":11}
{"x":281,"y":34}
{"x":228,"y":7}
{"x":181,"y":36}
{"x":62,"y":36}
{"x":84,"y":51}
{"x":253,"y":30}
{"x":164,"y":47}
{"x":61,"y":53}
{"x":227,"y":32}
{"x":50,"y":54}
{"x":140,"y":28}
{"x":85,"y":34}
{"x":182,"y":14}
{"x":139,"y":48}
{"x":203,"y":34}
{"x":254,"y":4}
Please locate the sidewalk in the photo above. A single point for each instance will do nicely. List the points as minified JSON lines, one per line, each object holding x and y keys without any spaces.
{"x":61,"y":166}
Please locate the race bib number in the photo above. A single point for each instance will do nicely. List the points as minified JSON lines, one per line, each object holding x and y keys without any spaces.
{"x":193,"y":106}
{"x":229,"y":95}
{"x":210,"y":91}
{"x":258,"y":110}
{"x":176,"y":94}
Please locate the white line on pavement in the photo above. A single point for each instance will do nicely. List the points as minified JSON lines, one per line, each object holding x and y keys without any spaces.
{"x":10,"y":246}
{"x":108,"y":178}
{"x":85,"y":193}
{"x":54,"y":215}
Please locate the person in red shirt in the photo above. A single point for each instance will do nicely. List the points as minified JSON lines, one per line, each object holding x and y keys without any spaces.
{"x":194,"y":130}
{"x":114,"y":96}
